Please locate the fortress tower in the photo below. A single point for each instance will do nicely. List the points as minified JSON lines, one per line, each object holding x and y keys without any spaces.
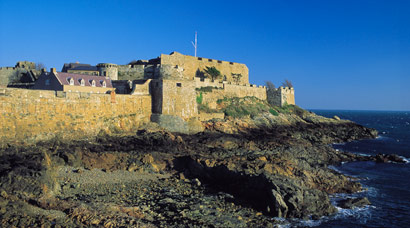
{"x":108,"y":70}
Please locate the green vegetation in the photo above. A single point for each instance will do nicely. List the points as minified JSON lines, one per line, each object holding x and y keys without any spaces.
{"x":213,"y":73}
{"x":240,"y":107}
{"x":199,"y":98}
{"x":219,"y":101}
{"x":291,"y":109}
{"x":273,"y":112}
{"x":252,"y":106}
{"x":205,"y":108}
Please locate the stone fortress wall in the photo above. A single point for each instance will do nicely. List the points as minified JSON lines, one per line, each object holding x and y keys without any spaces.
{"x":163,"y":89}
{"x":175,"y":97}
{"x":108,"y":70}
{"x":131,"y":72}
{"x":22,"y":72}
{"x":31,"y":115}
{"x":284,"y":95}
{"x":230,"y":90}
{"x":194,"y":66}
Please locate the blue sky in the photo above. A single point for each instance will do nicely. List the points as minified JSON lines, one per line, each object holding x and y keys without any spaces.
{"x":338,"y":54}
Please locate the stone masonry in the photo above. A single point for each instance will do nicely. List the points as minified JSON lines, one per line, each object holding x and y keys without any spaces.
{"x":31,"y":115}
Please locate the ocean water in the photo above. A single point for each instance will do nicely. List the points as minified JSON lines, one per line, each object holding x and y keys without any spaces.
{"x":388,"y":185}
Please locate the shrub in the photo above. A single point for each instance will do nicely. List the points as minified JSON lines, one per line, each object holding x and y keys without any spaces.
{"x":199,"y":98}
{"x":212,"y":72}
{"x":273,"y":112}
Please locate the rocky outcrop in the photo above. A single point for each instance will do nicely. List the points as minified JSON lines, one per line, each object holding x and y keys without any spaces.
{"x":351,"y":203}
{"x":237,"y":173}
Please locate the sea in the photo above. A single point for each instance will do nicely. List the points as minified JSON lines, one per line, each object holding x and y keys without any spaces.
{"x":387,"y":185}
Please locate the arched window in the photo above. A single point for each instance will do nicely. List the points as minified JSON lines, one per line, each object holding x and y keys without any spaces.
{"x":92,"y":82}
{"x":82,"y":82}
{"x":104,"y":84}
{"x":71,"y":81}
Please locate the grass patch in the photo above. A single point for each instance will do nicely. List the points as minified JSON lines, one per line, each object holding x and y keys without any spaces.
{"x":273,"y":112}
{"x":291,"y":109}
{"x":241,"y":107}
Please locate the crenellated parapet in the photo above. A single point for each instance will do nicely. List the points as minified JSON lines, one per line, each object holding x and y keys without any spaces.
{"x":282,"y":95}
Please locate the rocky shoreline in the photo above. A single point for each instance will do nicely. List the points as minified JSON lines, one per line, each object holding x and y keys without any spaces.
{"x":237,"y":173}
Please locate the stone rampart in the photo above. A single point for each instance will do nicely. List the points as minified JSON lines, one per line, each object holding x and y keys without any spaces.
{"x":207,"y":83}
{"x":222,"y":90}
{"x":232,"y":90}
{"x":194,"y":66}
{"x":31,"y":115}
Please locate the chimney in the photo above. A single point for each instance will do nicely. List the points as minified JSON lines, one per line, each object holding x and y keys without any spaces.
{"x":53,"y":70}
{"x":43,"y":70}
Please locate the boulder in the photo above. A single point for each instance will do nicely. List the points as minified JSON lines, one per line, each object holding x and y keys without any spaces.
{"x":351,"y":203}
{"x":385,"y":158}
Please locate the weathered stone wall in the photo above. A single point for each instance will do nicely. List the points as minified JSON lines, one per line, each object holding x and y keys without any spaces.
{"x":31,"y":115}
{"x":207,"y":83}
{"x":228,"y":90}
{"x":245,"y":91}
{"x":131,"y":72}
{"x":7,"y":74}
{"x":283,"y":95}
{"x":174,"y":97}
{"x":194,"y":66}
{"x":109,"y":70}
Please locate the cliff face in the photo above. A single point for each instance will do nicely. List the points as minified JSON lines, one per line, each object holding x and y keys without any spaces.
{"x":238,"y":172}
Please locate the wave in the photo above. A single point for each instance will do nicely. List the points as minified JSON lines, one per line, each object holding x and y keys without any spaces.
{"x":362,"y":214}
{"x":359,"y":215}
{"x":407,"y":160}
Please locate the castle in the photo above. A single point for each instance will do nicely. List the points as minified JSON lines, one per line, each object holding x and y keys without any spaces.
{"x":163,"y":90}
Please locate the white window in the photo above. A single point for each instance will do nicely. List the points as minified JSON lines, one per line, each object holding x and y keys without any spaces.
{"x":93,"y":83}
{"x":71,"y":80}
{"x":104,"y":84}
{"x":82,"y":82}
{"x":47,"y":82}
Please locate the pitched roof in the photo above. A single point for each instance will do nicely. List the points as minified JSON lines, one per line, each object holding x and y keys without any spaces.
{"x":64,"y":79}
{"x":78,"y":66}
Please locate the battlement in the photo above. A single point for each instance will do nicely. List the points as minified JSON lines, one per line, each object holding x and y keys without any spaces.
{"x":7,"y":68}
{"x":26,"y":64}
{"x":286,"y":89}
{"x":206,"y":82}
{"x":107,"y":65}
{"x":282,"y":95}
{"x":195,"y":67}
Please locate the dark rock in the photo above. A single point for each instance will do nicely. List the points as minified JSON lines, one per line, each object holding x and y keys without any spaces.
{"x":385,"y":158}
{"x":351,"y":203}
